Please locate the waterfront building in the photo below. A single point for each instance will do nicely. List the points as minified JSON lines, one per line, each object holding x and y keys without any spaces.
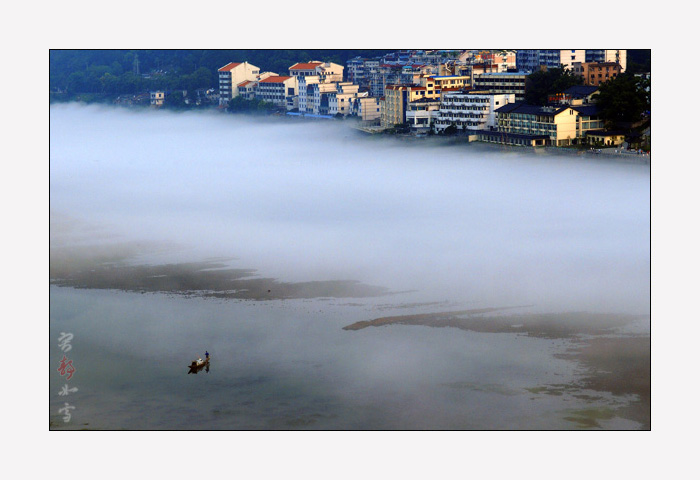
{"x":367,"y":109}
{"x":393,"y":105}
{"x":609,"y":138}
{"x":277,"y":90}
{"x":523,"y":124}
{"x":472,"y":110}
{"x":315,"y":81}
{"x":397,"y":98}
{"x":342,"y":101}
{"x":157,"y":98}
{"x":246,"y":89}
{"x":232,"y":74}
{"x":422,"y":114}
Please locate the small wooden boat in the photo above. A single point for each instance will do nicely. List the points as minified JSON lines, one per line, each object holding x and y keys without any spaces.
{"x":199,"y":364}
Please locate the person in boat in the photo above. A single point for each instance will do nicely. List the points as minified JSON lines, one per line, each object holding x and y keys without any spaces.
{"x":206,"y":355}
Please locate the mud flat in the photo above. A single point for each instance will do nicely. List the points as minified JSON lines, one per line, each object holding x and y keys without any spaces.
{"x":204,"y":279}
{"x":560,"y":325}
{"x":612,"y":363}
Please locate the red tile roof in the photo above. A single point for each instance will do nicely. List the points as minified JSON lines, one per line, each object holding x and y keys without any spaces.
{"x":243,"y":84}
{"x":275,"y":79}
{"x":229,"y":66}
{"x":305,"y":66}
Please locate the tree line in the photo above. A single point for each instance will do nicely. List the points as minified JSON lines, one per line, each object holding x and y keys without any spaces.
{"x":134,"y":71}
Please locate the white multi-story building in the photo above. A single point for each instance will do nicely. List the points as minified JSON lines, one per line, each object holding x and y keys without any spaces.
{"x":421,"y":114}
{"x":325,"y":71}
{"x":471,"y":110}
{"x":343,"y":99}
{"x":232,"y":74}
{"x":315,"y":81}
{"x":277,"y":90}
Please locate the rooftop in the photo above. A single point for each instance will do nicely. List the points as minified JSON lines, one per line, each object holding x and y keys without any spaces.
{"x":229,"y":66}
{"x":528,"y":109}
{"x":305,"y":66}
{"x":508,"y":74}
{"x":275,"y":79}
{"x":587,"y":110}
{"x":581,"y":90}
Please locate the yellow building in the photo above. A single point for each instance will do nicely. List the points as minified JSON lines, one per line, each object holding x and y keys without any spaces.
{"x":157,"y":98}
{"x":450,"y":81}
{"x":393,"y":105}
{"x":603,"y":138}
{"x":231,"y":75}
{"x":559,"y":125}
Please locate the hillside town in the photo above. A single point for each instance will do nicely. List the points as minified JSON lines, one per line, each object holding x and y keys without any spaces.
{"x":536,"y":98}
{"x":479,"y":94}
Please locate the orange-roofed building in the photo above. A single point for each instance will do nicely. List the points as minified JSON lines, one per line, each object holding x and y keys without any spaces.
{"x":231,"y":75}
{"x":314,"y":79}
{"x":304,"y":69}
{"x":279,"y":90}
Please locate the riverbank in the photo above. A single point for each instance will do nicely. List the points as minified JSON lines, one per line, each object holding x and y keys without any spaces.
{"x":362,"y":128}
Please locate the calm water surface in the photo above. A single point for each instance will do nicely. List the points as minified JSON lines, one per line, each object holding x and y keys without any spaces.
{"x":458,"y":226}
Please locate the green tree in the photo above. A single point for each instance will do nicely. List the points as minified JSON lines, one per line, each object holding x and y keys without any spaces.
{"x":175,"y":100}
{"x":540,"y":85}
{"x":623,"y":99}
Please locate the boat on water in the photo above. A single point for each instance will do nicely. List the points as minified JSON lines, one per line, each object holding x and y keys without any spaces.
{"x":199,"y":364}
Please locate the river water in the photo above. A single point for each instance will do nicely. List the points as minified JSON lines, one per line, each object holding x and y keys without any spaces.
{"x":434,"y":226}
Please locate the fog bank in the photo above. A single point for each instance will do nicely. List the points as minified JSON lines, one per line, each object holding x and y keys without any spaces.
{"x":310,"y":201}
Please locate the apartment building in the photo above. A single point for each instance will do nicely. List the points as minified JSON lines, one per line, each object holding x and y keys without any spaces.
{"x":493,"y":60}
{"x":533,"y":60}
{"x":473,"y":110}
{"x":315,"y":81}
{"x":157,"y":98}
{"x":397,"y":98}
{"x":304,"y":69}
{"x":393,"y":105}
{"x":615,"y":56}
{"x":450,"y":82}
{"x":325,"y":71}
{"x":422,"y":114}
{"x":412,"y":73}
{"x":277,"y":90}
{"x":232,"y":74}
{"x":383,"y":75}
{"x":355,"y":70}
{"x":595,"y":73}
{"x":246,"y":89}
{"x":522,"y":124}
{"x":367,"y":109}
{"x":502,"y":83}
